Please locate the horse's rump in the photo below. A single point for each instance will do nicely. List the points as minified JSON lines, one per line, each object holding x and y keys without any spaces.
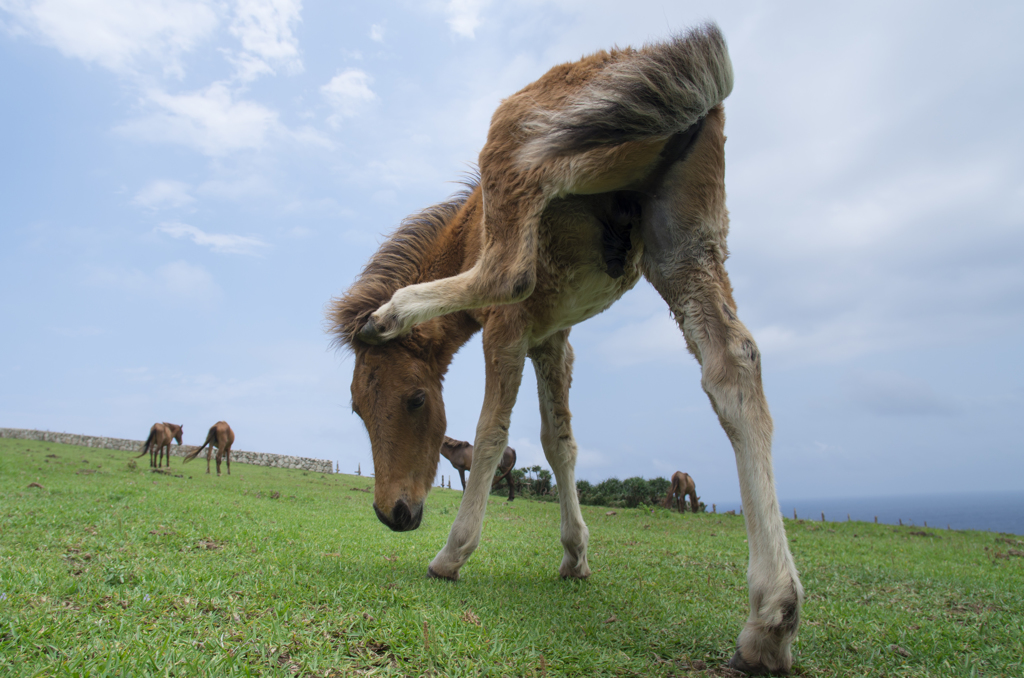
{"x":633,"y":95}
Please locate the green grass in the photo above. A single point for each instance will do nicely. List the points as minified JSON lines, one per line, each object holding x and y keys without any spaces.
{"x":107,"y":570}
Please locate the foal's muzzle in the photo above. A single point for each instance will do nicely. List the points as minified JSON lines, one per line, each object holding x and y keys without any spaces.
{"x":402,"y":518}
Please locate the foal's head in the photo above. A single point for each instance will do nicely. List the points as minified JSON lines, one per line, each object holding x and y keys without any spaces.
{"x":396,"y":391}
{"x":396,"y":386}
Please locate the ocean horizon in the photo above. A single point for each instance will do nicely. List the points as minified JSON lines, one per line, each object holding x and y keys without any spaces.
{"x":1001,"y":512}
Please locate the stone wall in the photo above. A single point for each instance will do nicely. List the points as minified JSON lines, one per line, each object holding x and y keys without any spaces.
{"x":239,"y":456}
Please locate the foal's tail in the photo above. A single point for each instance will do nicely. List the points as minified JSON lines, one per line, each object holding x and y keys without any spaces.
{"x":657,"y":91}
{"x":145,"y":445}
{"x":211,"y":438}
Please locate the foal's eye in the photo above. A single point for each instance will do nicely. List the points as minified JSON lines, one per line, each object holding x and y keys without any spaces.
{"x":416,"y":400}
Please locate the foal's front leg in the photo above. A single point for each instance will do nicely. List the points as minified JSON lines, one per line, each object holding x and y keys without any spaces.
{"x":553,"y":364}
{"x":505,"y":359}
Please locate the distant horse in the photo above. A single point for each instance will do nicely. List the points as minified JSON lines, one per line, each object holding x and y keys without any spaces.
{"x":220,"y":436}
{"x":682,"y":484}
{"x":460,"y":454}
{"x":159,"y":442}
{"x":603,"y":170}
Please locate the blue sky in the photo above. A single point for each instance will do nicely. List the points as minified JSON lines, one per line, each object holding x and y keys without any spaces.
{"x":186,"y":184}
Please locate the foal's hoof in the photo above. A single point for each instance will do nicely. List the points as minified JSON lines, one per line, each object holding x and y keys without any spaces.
{"x":738,"y":663}
{"x":578,"y":573}
{"x":432,"y":574}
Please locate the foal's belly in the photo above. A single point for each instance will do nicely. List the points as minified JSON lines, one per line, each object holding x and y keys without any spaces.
{"x":573,"y":282}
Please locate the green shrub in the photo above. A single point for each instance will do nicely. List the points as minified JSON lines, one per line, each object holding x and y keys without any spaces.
{"x":534,"y":482}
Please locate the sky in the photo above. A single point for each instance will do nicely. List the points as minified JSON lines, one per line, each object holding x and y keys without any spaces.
{"x":186,"y":184}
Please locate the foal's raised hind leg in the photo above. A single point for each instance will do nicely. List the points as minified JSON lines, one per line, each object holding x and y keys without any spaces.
{"x":684,"y":239}
{"x":553,"y":364}
{"x":505,"y":355}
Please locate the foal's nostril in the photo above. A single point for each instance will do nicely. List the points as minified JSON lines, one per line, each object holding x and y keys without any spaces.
{"x":401,"y":515}
{"x":402,"y":518}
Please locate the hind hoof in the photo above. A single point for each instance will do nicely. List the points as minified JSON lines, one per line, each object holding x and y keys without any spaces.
{"x":738,"y":663}
{"x":371,"y":334}
{"x":432,"y":574}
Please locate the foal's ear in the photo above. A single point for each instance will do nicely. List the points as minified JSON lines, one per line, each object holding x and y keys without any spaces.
{"x":434,"y":345}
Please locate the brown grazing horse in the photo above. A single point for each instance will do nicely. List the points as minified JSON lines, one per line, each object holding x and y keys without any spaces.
{"x":682,"y":484}
{"x":159,"y":443}
{"x":599,"y":172}
{"x":460,"y":454}
{"x":220,"y":436}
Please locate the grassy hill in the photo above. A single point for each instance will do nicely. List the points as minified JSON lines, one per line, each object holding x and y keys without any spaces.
{"x":112,"y":570}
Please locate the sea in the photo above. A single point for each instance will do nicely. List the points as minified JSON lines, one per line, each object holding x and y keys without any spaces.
{"x":1001,"y":512}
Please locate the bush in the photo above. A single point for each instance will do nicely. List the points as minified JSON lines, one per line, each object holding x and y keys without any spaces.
{"x":532,"y":482}
{"x":609,"y":493}
{"x":543,"y":483}
{"x":635,"y":491}
{"x":535,"y":482}
{"x":659,"y":488}
{"x":628,"y":493}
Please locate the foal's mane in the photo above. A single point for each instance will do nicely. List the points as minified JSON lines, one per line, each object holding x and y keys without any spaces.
{"x":397,"y":264}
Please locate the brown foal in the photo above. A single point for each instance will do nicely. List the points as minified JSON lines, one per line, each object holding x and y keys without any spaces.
{"x":601,"y":171}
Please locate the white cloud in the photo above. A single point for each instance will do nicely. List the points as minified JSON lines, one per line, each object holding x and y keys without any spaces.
{"x":348,"y":92}
{"x":224,"y":243}
{"x":162,"y":194}
{"x":464,"y":16}
{"x":248,"y":67}
{"x":209,"y":120}
{"x":377,"y":32}
{"x":310,"y":136}
{"x":117,"y":33}
{"x":264,"y":27}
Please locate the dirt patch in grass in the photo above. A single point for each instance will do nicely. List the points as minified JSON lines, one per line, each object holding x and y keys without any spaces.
{"x":209,"y":544}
